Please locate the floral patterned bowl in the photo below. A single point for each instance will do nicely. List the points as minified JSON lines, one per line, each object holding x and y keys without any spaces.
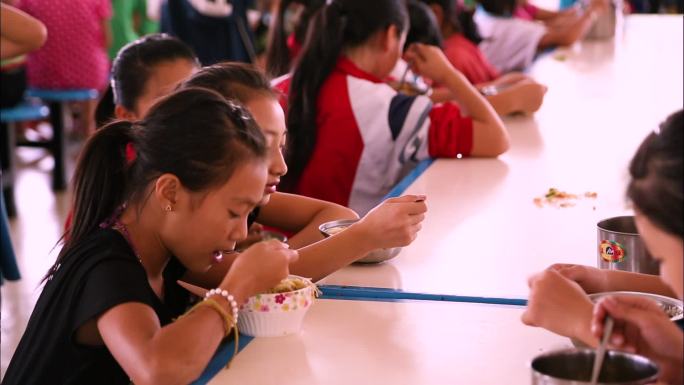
{"x":279,"y":313}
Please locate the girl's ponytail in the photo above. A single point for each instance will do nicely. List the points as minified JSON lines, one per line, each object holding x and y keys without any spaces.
{"x":324,"y":43}
{"x":104,"y":113}
{"x":101,"y":179}
{"x":277,"y":53}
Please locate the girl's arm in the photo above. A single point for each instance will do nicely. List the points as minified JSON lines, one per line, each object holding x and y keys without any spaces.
{"x":525,"y":97}
{"x":393,"y":223}
{"x":594,"y":280}
{"x":178,"y":353}
{"x":489,"y":134}
{"x":301,"y":215}
{"x":19,"y":32}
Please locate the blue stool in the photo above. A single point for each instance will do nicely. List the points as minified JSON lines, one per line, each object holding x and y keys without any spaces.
{"x":56,"y":100}
{"x":8,"y":117}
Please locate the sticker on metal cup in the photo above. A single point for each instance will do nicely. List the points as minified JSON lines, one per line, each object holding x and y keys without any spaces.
{"x":612,"y":251}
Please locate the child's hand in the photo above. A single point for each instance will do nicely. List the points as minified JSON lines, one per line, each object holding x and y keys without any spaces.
{"x":591,"y":279}
{"x":559,"y":305}
{"x":642,"y":327}
{"x":260,"y":267}
{"x":428,"y":61}
{"x":395,"y":222}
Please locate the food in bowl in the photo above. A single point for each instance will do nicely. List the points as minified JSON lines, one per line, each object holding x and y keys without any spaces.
{"x":292,"y":283}
{"x":671,"y":306}
{"x":267,"y":235}
{"x":280,"y":311}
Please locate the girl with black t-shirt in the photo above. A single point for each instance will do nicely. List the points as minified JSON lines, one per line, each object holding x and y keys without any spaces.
{"x":154,"y":201}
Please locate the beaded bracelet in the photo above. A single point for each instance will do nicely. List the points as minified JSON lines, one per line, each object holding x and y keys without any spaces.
{"x":229,"y":297}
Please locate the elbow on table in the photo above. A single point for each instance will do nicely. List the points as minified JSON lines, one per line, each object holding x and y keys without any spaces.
{"x":491,"y":139}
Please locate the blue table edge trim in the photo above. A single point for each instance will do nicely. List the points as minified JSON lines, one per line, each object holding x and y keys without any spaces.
{"x":409,"y":179}
{"x":391,"y":295}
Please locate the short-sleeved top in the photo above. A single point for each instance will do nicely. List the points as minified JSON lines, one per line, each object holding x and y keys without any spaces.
{"x":368,"y":137}
{"x":74,"y":55}
{"x":96,"y":275}
{"x":466,"y":57}
{"x":510,"y":44}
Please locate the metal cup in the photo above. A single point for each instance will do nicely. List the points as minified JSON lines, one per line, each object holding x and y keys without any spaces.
{"x":573,"y":367}
{"x":620,"y":247}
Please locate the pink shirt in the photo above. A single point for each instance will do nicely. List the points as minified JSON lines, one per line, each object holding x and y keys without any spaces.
{"x":467,"y":58}
{"x":74,"y":55}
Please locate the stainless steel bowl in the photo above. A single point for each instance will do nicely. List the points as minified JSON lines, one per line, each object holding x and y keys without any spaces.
{"x":573,"y":367}
{"x":268,"y":235}
{"x":671,"y":306}
{"x":375,"y":256}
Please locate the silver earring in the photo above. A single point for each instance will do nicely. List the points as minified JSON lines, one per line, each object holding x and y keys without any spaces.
{"x":168,"y":208}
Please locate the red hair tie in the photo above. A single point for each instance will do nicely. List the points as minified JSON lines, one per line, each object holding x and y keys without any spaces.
{"x":130,"y":153}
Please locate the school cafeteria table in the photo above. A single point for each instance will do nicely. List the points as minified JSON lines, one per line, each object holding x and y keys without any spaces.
{"x":483,"y":235}
{"x":418,"y":342}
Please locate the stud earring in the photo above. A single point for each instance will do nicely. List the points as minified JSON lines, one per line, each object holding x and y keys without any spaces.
{"x":168,"y":208}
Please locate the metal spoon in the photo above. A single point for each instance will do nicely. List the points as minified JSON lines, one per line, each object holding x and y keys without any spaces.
{"x":601,"y":351}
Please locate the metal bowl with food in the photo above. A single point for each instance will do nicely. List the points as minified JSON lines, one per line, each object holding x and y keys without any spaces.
{"x":671,"y":306}
{"x":376,"y":256}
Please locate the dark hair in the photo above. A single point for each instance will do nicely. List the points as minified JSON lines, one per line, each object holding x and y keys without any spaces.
{"x":459,"y":18}
{"x":278,"y":55}
{"x":656,"y":187}
{"x":499,"y":7}
{"x":424,"y":28}
{"x":194,"y":133}
{"x":234,"y":81}
{"x":132,"y":68}
{"x":339,"y":25}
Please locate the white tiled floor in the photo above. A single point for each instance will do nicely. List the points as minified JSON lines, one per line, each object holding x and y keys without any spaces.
{"x":34,"y":233}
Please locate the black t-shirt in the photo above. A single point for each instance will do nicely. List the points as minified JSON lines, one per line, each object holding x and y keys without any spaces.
{"x":95,"y":276}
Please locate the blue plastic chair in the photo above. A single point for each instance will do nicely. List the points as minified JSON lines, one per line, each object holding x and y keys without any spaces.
{"x":56,"y":145}
{"x":29,"y":110}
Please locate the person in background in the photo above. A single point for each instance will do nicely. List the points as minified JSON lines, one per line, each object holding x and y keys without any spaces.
{"x":129,"y":21}
{"x":143,"y":71}
{"x":217,"y":30}
{"x":439,"y":22}
{"x":512,"y":43}
{"x":558,"y":300}
{"x":352,"y":137}
{"x":75,"y":53}
{"x":289,"y":26}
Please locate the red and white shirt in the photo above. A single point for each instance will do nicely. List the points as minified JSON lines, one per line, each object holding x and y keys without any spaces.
{"x":369,"y":137}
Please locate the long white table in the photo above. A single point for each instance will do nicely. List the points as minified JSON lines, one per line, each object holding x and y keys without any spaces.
{"x":424,"y":342}
{"x":483,"y":235}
